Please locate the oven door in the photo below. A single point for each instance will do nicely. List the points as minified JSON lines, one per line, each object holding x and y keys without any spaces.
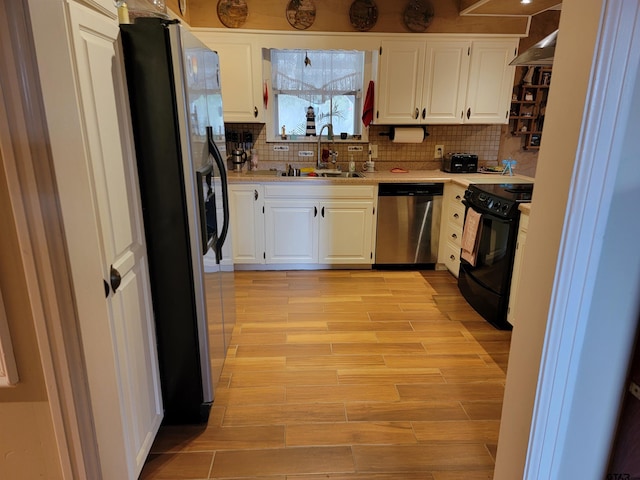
{"x":495,"y":253}
{"x":486,"y":285}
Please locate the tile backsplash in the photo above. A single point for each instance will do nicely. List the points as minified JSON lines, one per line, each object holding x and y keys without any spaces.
{"x":483,"y":140}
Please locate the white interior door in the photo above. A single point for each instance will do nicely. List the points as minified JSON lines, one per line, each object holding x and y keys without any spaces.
{"x":119,"y":345}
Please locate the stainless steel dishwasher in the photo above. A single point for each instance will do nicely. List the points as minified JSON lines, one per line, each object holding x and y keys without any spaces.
{"x":408,"y":224}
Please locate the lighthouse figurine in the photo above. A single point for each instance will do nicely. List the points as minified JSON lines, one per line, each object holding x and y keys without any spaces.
{"x":311,"y":122}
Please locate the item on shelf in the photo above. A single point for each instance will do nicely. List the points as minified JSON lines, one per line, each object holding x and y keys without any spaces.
{"x":233,"y":13}
{"x":418,"y":15}
{"x":301,"y":13}
{"x":363,"y":15}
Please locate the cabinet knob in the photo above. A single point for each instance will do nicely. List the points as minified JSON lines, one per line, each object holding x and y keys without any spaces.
{"x":114,"y":279}
{"x":455,"y":215}
{"x":458,"y":197}
{"x":255,"y":112}
{"x":453,"y":235}
{"x":452,"y":257}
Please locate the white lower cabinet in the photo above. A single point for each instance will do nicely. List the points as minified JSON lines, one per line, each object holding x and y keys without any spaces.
{"x":291,"y":231}
{"x":246,"y":203}
{"x":451,"y":227}
{"x":303,"y":224}
{"x":346,"y":232}
{"x":517,"y":267}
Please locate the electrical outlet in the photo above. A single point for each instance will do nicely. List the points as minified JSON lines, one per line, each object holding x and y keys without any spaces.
{"x":374,"y":150}
{"x":439,"y":152}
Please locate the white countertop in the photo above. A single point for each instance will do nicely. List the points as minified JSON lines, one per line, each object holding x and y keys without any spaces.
{"x":412,"y":176}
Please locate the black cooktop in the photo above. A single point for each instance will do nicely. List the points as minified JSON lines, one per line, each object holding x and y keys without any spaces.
{"x":515,"y":192}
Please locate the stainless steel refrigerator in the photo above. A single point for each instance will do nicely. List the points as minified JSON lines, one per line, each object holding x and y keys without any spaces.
{"x":176,"y":111}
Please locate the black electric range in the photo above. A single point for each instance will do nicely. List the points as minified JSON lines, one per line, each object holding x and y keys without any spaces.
{"x":486,"y":283}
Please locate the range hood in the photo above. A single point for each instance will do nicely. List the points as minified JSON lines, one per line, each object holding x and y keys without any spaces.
{"x":540,"y":54}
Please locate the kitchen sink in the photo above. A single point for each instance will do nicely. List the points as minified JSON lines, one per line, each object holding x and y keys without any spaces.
{"x":342,"y":174}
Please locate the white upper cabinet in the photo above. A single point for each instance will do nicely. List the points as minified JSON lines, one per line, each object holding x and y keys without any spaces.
{"x":445,"y":81}
{"x":241,"y":77}
{"x":400,"y":82}
{"x":490,"y":81}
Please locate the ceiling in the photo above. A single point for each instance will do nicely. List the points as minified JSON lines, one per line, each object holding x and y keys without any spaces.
{"x":507,"y":7}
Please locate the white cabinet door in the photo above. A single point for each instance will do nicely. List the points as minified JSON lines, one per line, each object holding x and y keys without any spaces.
{"x":241,"y":82}
{"x":490,"y":81}
{"x":345,"y":232}
{"x":119,"y":337}
{"x":517,"y":266}
{"x":445,"y":81}
{"x":399,"y":92}
{"x":247,"y":222}
{"x":291,"y":228}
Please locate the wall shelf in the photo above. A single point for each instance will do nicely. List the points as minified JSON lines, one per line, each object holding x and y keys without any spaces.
{"x":528,"y":105}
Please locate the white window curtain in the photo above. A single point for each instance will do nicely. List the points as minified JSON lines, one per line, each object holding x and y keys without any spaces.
{"x":316,"y":76}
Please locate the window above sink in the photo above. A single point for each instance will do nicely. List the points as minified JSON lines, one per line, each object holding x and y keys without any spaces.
{"x":311,"y":88}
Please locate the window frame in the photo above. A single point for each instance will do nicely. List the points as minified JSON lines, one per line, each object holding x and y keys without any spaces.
{"x":271,"y":113}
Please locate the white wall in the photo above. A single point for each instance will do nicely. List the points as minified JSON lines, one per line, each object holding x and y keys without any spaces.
{"x":592,"y":306}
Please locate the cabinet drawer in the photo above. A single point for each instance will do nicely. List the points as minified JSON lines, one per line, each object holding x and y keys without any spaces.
{"x":457,"y":195}
{"x":452,"y":258}
{"x":455,"y":214}
{"x":453,"y":234}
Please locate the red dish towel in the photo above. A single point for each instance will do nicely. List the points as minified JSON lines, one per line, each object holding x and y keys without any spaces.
{"x":471,"y":233}
{"x":367,"y":111}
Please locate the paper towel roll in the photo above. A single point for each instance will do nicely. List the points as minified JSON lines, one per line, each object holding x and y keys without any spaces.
{"x":407,"y":135}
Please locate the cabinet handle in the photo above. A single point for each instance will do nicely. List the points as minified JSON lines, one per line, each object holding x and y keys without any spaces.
{"x":458,"y":197}
{"x":453,"y":235}
{"x":322,"y":212}
{"x":255,"y":194}
{"x":255,"y":112}
{"x":424,"y":113}
{"x":469,"y":113}
{"x":315,"y":212}
{"x":452,"y":257}
{"x":417,"y":113}
{"x":455,"y":215}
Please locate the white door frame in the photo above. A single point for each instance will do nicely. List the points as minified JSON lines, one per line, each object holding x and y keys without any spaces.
{"x":29,"y":167}
{"x":594,"y":308}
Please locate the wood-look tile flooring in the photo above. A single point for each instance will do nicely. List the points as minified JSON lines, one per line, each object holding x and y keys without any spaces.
{"x":359,"y":375}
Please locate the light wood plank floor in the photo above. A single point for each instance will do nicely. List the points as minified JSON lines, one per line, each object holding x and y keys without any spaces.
{"x":359,"y":375}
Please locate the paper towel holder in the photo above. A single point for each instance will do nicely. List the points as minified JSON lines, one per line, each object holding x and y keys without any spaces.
{"x":392,"y":132}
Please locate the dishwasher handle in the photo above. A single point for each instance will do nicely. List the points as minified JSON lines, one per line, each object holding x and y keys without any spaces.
{"x":410,"y":189}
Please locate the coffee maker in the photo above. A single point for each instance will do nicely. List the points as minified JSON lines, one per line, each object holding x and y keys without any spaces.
{"x":238,"y":158}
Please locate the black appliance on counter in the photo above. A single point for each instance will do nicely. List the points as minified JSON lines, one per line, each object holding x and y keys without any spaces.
{"x":486,"y":285}
{"x":176,"y":114}
{"x":460,"y":163}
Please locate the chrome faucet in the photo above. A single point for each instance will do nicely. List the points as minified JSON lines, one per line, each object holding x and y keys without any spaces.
{"x":329,"y":128}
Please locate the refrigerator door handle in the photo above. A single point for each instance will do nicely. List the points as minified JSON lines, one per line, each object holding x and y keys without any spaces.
{"x":215,"y":153}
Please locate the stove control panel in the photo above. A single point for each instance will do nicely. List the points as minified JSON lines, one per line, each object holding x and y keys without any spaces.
{"x":483,"y":201}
